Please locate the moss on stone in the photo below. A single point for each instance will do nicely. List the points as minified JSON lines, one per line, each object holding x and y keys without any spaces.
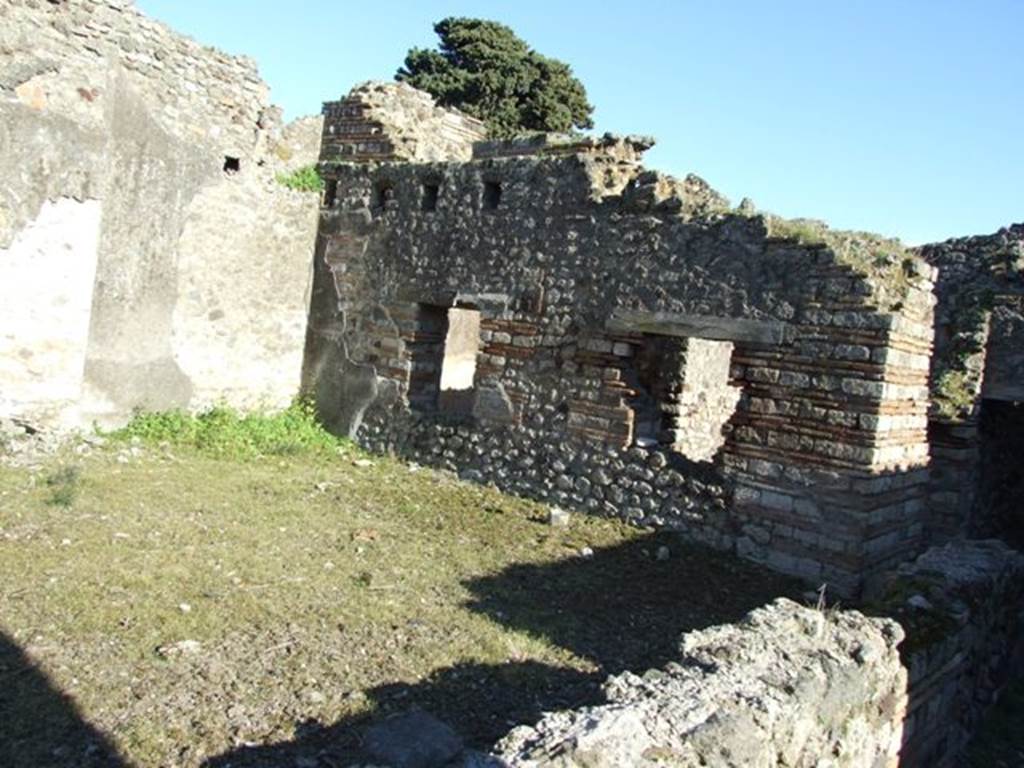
{"x":954,"y":394}
{"x":886,"y":262}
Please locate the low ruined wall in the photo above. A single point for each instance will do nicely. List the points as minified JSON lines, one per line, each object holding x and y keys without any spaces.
{"x":184,"y":284}
{"x":790,"y":685}
{"x":962,"y":607}
{"x":786,"y":686}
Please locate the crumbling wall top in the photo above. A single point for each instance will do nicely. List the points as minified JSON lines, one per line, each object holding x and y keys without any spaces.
{"x":621,"y":148}
{"x":379,"y":121}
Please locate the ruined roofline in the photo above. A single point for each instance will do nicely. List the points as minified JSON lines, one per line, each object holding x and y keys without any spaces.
{"x":1013,"y":231}
{"x":376,"y":93}
{"x":380,"y":121}
{"x":628,"y":148}
{"x":887,"y":271}
{"x":395,"y":124}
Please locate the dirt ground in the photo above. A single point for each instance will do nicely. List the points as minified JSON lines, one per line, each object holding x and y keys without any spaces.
{"x":161,"y":607}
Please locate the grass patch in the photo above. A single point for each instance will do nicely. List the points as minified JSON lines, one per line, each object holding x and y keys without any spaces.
{"x":191,"y":601}
{"x":225,"y":432}
{"x":63,"y":485}
{"x":305,"y":179}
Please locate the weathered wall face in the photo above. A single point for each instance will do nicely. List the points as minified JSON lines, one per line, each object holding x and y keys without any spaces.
{"x":100,"y":104}
{"x":237,"y":332}
{"x":576,"y":258}
{"x":960,"y":605}
{"x":385,"y":121}
{"x":786,"y":686}
{"x":979,"y":355}
{"x":794,"y":686}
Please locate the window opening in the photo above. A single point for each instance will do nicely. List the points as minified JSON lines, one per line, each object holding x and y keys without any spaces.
{"x":330,"y":193}
{"x":384,"y":194}
{"x":443,"y":357}
{"x":492,"y":195}
{"x":683,"y":395}
{"x":430,"y":194}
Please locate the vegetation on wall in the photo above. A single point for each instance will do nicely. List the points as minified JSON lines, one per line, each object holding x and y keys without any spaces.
{"x":305,"y":179}
{"x":487,"y":71}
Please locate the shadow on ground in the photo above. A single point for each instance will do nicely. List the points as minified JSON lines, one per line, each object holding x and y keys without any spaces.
{"x":621,"y":608}
{"x":41,"y":727}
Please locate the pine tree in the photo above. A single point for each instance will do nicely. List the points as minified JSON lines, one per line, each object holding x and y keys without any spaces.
{"x":483,"y":68}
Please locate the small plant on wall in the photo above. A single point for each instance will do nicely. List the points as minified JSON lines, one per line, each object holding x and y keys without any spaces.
{"x":305,"y":179}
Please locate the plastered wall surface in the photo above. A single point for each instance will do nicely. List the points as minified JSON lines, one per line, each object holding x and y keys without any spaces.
{"x":46,"y":284}
{"x":105,"y":108}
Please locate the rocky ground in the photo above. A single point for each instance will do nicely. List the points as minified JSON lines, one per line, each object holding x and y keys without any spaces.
{"x":160,"y":606}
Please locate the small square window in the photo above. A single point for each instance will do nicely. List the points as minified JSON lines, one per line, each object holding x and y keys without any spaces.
{"x":232,"y":164}
{"x":430,"y":194}
{"x":492,"y":195}
{"x":383,"y":194}
{"x":330,"y":193}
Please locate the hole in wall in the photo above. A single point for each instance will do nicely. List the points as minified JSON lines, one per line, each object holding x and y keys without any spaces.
{"x":492,"y":195}
{"x":383,"y":194}
{"x":684,"y":397}
{"x":431,"y":192}
{"x":330,"y":193}
{"x":458,"y":369}
{"x":232,"y":164}
{"x":442,"y":358}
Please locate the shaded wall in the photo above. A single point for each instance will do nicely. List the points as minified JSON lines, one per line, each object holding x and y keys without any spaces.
{"x":979,"y":349}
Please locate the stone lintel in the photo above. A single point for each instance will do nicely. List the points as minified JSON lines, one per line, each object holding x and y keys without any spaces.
{"x":494,"y":305}
{"x":699,"y":326}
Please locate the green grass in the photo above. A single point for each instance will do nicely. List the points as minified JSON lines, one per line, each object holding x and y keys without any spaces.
{"x":321,"y":584}
{"x":305,"y":179}
{"x":954,"y":394}
{"x":64,"y":486}
{"x":224,"y":432}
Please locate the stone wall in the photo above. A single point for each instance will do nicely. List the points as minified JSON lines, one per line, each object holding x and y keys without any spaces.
{"x":385,"y":121}
{"x":154,"y":157}
{"x":962,"y":606}
{"x":787,"y":686}
{"x":792,"y":686}
{"x":578,"y":260}
{"x":979,"y":356}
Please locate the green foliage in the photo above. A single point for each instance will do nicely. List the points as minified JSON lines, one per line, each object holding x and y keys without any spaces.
{"x":305,"y":179}
{"x":225,"y":432}
{"x":955,"y":393}
{"x":958,"y":381}
{"x":485,"y":70}
{"x":64,"y":486}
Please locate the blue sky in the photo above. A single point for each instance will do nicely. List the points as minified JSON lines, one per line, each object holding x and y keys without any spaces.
{"x":905,"y":118}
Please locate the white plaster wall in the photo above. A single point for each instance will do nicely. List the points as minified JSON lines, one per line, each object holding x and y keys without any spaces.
{"x":244,"y":270}
{"x":46,"y":288}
